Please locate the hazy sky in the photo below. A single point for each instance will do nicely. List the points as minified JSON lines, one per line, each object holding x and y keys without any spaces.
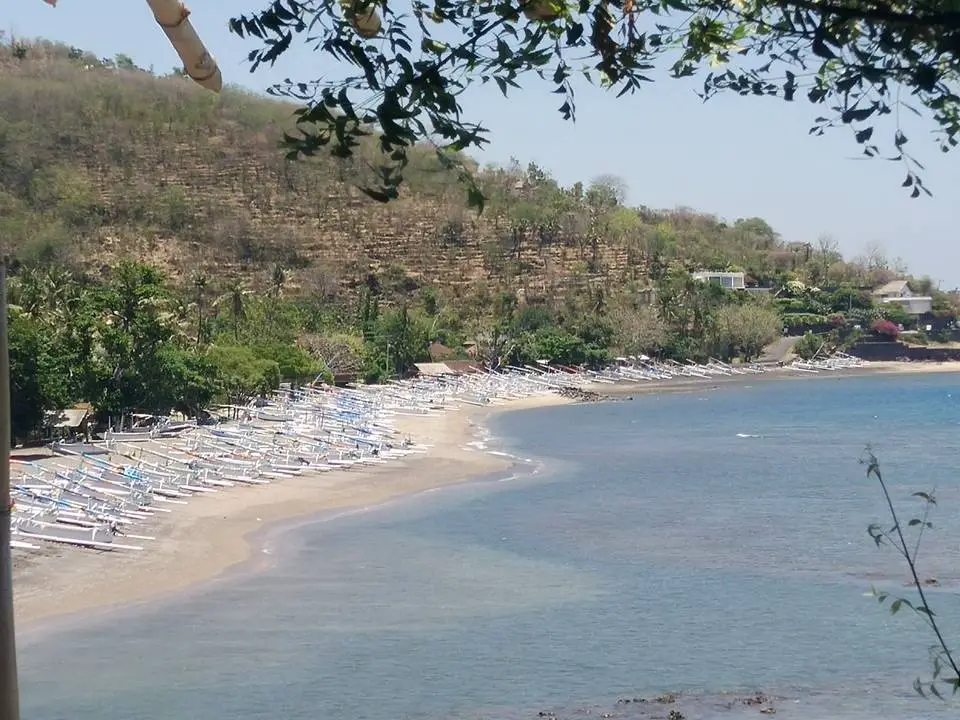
{"x":733,"y":157}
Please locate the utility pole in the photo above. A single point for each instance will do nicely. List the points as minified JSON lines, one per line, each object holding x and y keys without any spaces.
{"x":9,"y":693}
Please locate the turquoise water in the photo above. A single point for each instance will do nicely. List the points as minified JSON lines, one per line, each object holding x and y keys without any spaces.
{"x":707,"y":542}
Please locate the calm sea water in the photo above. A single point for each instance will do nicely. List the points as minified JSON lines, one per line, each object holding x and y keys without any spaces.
{"x":707,"y":542}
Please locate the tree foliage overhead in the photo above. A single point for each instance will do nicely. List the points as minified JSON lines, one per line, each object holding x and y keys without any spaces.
{"x":858,"y":60}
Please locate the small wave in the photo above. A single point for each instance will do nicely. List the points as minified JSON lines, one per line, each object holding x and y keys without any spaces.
{"x":745,"y":435}
{"x":500,"y":453}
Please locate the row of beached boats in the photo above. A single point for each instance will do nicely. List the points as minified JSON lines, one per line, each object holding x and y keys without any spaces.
{"x":833,"y":363}
{"x":641,"y":368}
{"x":106,"y":495}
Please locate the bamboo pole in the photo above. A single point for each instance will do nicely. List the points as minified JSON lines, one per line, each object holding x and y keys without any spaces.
{"x":9,"y":694}
{"x":173,"y":18}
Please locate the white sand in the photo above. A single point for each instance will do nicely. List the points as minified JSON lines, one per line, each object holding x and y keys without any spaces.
{"x":200,"y":540}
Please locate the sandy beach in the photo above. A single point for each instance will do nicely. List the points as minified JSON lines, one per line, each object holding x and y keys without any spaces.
{"x":204,"y":538}
{"x":209,"y":535}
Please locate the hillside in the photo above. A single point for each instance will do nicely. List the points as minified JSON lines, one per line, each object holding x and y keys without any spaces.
{"x":167,"y":256}
{"x":100,"y":160}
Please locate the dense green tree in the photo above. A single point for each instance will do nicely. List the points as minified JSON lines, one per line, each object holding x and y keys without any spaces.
{"x":241,"y":374}
{"x":36,"y":383}
{"x":190,"y":382}
{"x":688,"y":309}
{"x":530,"y":318}
{"x":744,"y":330}
{"x":135,"y":326}
{"x":555,"y":345}
{"x":293,"y":362}
{"x":400,"y":339}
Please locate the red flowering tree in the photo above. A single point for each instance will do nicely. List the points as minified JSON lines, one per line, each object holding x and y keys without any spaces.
{"x":885,"y":329}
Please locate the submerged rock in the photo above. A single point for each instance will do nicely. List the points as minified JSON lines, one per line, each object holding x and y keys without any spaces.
{"x":580,"y":395}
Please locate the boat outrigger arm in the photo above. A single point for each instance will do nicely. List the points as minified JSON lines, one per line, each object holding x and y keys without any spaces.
{"x":174,"y":18}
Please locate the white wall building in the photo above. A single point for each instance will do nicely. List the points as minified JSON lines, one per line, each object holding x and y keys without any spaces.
{"x":899,"y":292}
{"x":729,"y":280}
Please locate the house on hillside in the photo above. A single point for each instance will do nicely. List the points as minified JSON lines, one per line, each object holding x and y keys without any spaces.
{"x":728,"y":280}
{"x":899,"y":292}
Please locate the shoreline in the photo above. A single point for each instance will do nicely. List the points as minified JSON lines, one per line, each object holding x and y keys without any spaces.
{"x":621,"y":390}
{"x":213,"y":534}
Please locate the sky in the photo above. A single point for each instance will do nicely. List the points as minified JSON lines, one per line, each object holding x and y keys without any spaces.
{"x":733,"y":157}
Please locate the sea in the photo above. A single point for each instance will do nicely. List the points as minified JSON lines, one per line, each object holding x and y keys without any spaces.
{"x":694,"y":555}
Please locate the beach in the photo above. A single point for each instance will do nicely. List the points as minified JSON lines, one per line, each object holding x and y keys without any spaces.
{"x":211,"y":534}
{"x":204,"y":538}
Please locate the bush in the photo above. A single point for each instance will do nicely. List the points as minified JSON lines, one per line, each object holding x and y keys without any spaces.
{"x":850,"y":339}
{"x":804,"y":304}
{"x":863,"y":316}
{"x":808,"y":346}
{"x":895,"y":314}
{"x":803,"y":320}
{"x":885,"y":329}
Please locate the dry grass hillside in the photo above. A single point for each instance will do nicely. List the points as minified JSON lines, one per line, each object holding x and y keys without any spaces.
{"x":99,"y":160}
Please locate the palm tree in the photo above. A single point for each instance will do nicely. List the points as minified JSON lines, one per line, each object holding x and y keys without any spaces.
{"x":235,"y":299}
{"x":200,"y":285}
{"x":48,"y":296}
{"x":277,"y":280}
{"x":26,"y":292}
